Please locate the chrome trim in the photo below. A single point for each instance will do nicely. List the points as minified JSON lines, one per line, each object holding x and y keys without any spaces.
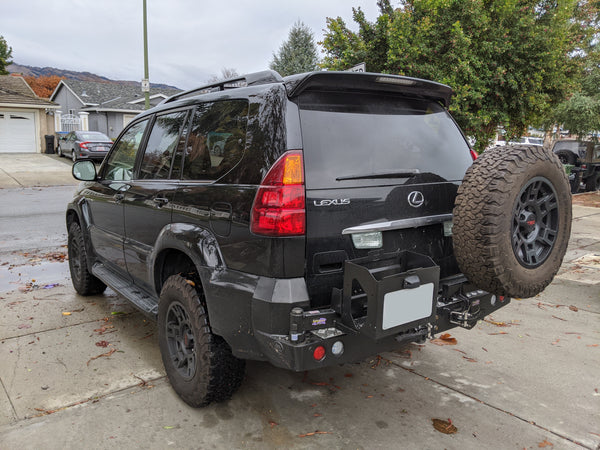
{"x":398,"y":224}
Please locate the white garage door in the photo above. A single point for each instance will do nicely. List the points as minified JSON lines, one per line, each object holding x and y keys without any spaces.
{"x":17,"y":132}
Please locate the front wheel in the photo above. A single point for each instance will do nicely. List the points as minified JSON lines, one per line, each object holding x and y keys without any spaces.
{"x":73,"y":156}
{"x":199,"y":364}
{"x":58,"y":151}
{"x":83,"y":281}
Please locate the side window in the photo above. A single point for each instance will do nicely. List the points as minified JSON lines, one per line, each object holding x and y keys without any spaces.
{"x":121,"y":160}
{"x":165,"y":137}
{"x":216,"y":140}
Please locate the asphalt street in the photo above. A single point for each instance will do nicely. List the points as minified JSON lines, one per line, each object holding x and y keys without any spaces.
{"x":85,"y":372}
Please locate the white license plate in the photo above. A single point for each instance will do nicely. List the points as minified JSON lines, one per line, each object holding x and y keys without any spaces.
{"x":407,"y":305}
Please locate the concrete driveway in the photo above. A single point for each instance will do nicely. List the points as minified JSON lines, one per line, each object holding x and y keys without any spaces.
{"x":34,"y":169}
{"x":85,"y":372}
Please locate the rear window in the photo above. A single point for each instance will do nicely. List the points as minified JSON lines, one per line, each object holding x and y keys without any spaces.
{"x":366,"y":139}
{"x":92,"y":136}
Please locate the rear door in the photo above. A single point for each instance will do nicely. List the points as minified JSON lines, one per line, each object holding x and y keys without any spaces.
{"x":382,"y":171}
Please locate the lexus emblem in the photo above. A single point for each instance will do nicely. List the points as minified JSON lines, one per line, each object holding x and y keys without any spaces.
{"x":416,"y":199}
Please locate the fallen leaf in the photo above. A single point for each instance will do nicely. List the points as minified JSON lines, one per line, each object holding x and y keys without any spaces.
{"x":100,"y":356}
{"x":66,"y":313}
{"x":545,"y":443}
{"x":573,"y":308}
{"x":560,"y":318}
{"x":272,"y":423}
{"x":592,"y":345}
{"x":498,"y":324}
{"x":102,"y":344}
{"x":190,"y":282}
{"x":444,"y":339}
{"x":24,"y":325}
{"x":312,"y":433}
{"x":500,"y":332}
{"x":348,"y":375}
{"x":444,"y":426}
{"x":470,"y":359}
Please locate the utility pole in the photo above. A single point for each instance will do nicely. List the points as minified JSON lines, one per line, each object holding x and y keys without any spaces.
{"x":146,"y":80}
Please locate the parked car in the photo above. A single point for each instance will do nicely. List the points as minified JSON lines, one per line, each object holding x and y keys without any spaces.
{"x":84,"y":145}
{"x":528,"y":140}
{"x":585,"y":157}
{"x":344,"y":216}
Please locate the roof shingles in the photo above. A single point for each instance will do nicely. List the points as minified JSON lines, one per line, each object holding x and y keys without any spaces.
{"x":15,"y":91}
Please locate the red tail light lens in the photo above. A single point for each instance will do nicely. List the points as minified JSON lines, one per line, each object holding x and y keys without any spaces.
{"x":279,"y":205}
{"x":473,"y":154}
{"x":83,"y":145}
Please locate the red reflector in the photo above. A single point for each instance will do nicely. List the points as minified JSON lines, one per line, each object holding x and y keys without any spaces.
{"x":473,"y":154}
{"x":279,"y":205}
{"x":501,"y":298}
{"x":319,"y":353}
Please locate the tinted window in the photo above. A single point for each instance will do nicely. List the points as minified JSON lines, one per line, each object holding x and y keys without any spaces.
{"x":120,"y":162}
{"x":216,"y":140}
{"x":164,"y":139}
{"x":359,"y":138}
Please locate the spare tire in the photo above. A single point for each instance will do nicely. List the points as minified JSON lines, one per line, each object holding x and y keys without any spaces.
{"x":512,"y":220}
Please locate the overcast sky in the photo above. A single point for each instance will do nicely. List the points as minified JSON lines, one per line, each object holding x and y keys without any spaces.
{"x":189,"y":40}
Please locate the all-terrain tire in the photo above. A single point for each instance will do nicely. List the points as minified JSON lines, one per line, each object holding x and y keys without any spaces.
{"x":566,"y":157}
{"x":83,"y":281}
{"x":199,"y":364}
{"x":512,"y":220}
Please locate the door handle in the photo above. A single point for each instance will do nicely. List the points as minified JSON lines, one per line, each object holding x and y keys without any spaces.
{"x":160,"y":201}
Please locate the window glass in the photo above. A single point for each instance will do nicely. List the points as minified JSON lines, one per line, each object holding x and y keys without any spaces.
{"x":357,"y":139}
{"x":216,"y":140}
{"x":162,"y":143}
{"x":119,"y":165}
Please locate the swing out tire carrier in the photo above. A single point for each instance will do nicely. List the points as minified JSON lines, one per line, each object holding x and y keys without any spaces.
{"x":386,"y":300}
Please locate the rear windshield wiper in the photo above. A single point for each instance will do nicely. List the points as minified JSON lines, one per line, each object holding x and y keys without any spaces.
{"x":403,"y":173}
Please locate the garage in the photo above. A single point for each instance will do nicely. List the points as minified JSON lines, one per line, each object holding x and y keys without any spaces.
{"x":17,"y":132}
{"x":24,"y":117}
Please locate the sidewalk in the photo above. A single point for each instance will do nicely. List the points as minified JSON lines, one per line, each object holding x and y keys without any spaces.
{"x":34,"y":169}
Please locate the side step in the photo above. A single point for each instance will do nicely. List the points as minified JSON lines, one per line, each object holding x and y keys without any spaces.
{"x":144,"y":301}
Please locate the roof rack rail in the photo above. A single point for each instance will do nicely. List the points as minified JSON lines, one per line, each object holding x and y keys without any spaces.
{"x":251,"y":79}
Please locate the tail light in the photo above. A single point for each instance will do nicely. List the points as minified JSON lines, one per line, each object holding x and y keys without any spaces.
{"x":473,"y":154}
{"x":279,"y":205}
{"x":84,"y":145}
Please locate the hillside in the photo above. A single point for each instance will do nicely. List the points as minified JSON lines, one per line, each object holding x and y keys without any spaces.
{"x":73,"y":75}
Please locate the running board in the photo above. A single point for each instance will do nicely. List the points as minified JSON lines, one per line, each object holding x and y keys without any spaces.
{"x":147,"y":303}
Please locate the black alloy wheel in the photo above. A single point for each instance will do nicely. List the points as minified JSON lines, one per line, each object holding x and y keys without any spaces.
{"x":535,"y":222}
{"x":180,"y":341}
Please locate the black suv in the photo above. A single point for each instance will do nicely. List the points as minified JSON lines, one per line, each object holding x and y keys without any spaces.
{"x":308,"y":221}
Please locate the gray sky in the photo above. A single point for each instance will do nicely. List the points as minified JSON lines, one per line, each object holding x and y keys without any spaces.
{"x":189,"y":40}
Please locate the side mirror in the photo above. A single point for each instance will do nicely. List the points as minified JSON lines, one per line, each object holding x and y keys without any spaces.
{"x":84,"y":171}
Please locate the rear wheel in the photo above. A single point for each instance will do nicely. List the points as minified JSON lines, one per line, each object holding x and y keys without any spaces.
{"x":83,"y":281}
{"x":566,"y":157}
{"x":199,"y":364}
{"x":512,"y":220}
{"x":58,"y":151}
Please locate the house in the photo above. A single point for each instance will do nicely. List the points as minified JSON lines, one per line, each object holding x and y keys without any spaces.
{"x":101,"y":106}
{"x":24,"y":117}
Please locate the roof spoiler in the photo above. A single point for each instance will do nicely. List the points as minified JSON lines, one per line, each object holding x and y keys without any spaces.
{"x":364,"y":81}
{"x":251,"y":79}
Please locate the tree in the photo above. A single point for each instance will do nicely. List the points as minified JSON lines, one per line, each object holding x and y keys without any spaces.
{"x":5,"y":54}
{"x":508,"y":62}
{"x":298,"y":54}
{"x":226,"y":74}
{"x":43,"y":86}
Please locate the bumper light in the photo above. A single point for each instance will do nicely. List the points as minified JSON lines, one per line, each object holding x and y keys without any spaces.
{"x":337,"y":348}
{"x":319,"y":353}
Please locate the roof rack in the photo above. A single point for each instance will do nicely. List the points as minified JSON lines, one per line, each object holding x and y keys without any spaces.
{"x":251,"y":79}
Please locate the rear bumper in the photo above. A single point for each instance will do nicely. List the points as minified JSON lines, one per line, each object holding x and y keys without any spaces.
{"x":386,"y":301}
